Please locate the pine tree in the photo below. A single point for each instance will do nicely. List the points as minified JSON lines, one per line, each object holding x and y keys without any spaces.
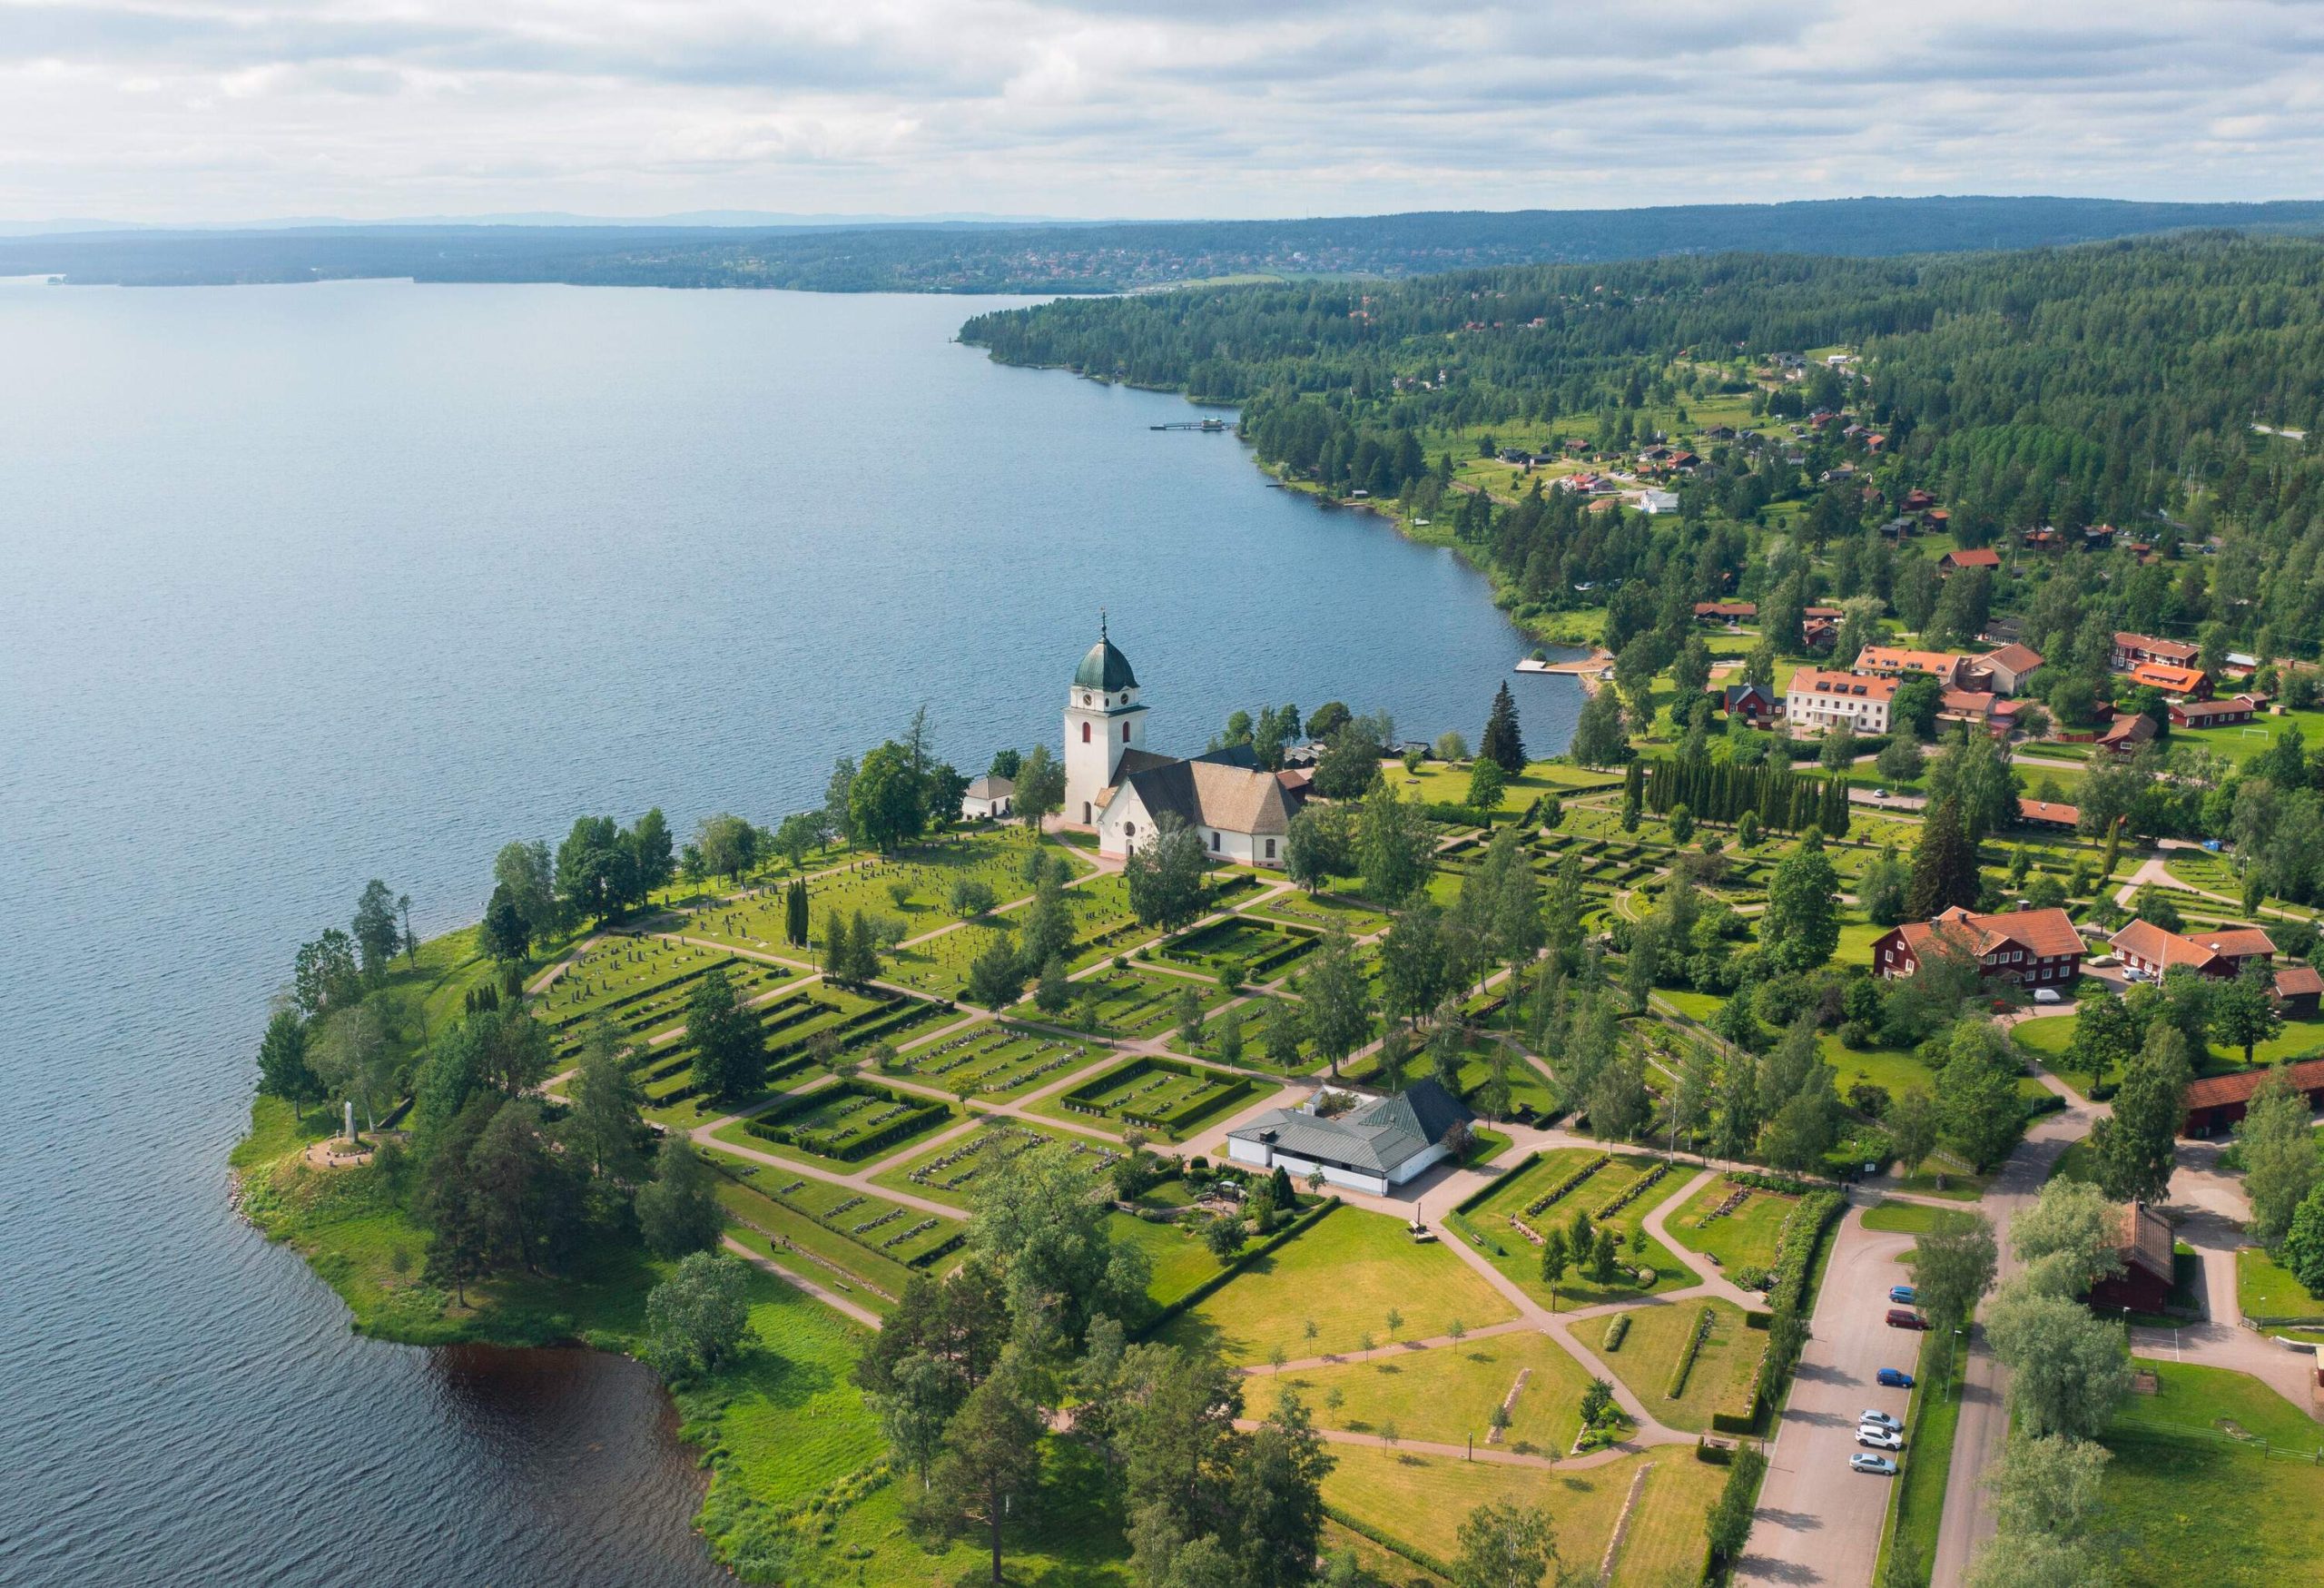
{"x":1504,"y":744}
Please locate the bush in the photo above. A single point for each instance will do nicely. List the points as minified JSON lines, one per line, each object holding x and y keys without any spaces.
{"x":1686,"y":1363}
{"x":1617,"y":1330}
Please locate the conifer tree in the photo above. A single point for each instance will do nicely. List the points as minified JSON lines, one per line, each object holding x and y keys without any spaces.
{"x":1504,"y":744}
{"x":1944,"y":866}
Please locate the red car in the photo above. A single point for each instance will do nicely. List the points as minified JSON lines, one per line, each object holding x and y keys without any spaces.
{"x":1905,"y":1318}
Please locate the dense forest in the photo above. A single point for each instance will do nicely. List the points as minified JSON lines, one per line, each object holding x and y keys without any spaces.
{"x":2116,"y":383}
{"x":1105,"y":257}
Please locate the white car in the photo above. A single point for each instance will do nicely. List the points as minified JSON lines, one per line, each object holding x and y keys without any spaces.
{"x":1879,"y":1438}
{"x":2047,"y":995}
{"x":1881,"y":1420}
{"x":1879,"y":1464}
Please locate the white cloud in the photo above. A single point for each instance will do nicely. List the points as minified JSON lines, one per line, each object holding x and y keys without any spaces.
{"x":219,"y":109}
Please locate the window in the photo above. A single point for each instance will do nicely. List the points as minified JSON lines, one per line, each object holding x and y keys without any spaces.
{"x":1085,"y":812}
{"x":1130,"y":829}
{"x":1085,"y":733}
{"x":1124,"y":732}
{"x":1214,"y":841}
{"x":1270,"y":848}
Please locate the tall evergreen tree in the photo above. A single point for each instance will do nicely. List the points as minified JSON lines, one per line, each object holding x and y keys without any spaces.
{"x":1504,"y":744}
{"x":1944,"y":866}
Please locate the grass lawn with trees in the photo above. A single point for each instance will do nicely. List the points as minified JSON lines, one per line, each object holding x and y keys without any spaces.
{"x":997,"y":1059}
{"x":2265,"y":1288}
{"x":1520,"y":1260}
{"x":1346,"y":1272}
{"x":1445,"y":1393}
{"x":2197,"y":1496}
{"x":1723,"y":1369}
{"x":949,"y":1170}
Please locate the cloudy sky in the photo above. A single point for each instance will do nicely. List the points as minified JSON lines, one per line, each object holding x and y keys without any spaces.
{"x":181,"y":110}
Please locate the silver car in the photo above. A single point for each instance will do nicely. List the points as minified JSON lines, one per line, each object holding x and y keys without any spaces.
{"x":1881,"y":1420}
{"x":1879,"y":1464}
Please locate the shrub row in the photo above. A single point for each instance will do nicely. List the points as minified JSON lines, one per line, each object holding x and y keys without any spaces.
{"x":1389,"y":1542}
{"x":1803,"y":1234}
{"x":1211,"y":1287}
{"x":1637,"y":1188}
{"x":1617,"y":1331}
{"x":1567,"y":1186}
{"x":1686,"y":1363}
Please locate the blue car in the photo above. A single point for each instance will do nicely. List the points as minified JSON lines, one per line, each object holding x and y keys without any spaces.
{"x":1896,"y":1379}
{"x":1904,"y":1293}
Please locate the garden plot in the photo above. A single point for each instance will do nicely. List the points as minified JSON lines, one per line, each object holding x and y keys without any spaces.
{"x":999,"y":1060}
{"x":913,"y":886}
{"x":1254,"y":950}
{"x":1104,"y":924}
{"x":952,"y":1171}
{"x":1140,"y":1004}
{"x":1254,"y":1012}
{"x":889,"y":1229}
{"x":1735,"y":1226}
{"x":1320,"y":911}
{"x":1617,"y":1190}
{"x":1167,"y":1096}
{"x":849,"y":1123}
{"x":795,"y":1027}
{"x":657,"y":1006}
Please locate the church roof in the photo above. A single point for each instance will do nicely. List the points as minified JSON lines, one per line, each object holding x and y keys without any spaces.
{"x":1376,"y":1136}
{"x":1207,"y":794}
{"x":1105,"y":667}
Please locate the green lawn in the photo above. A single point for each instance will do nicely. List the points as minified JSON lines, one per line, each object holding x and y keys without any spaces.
{"x":1510,"y":1251}
{"x":1446,"y":1393}
{"x":1743,"y":1239}
{"x":1909,"y":1217}
{"x":1320,"y":911}
{"x":1722,"y":1371}
{"x":2047,"y":1037}
{"x":1180,"y":1260}
{"x":1436,"y":783}
{"x":998,"y":1060}
{"x":1424,"y":1499}
{"x":1346,"y":1273}
{"x":2198,"y":1500}
{"x":2265,"y":1288}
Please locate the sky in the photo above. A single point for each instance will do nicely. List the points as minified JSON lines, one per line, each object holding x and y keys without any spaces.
{"x":181,"y":111}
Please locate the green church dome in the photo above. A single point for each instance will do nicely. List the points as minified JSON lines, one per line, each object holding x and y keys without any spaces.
{"x":1105,"y":667}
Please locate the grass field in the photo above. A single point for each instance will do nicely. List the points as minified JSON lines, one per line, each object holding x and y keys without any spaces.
{"x":1743,"y":1239}
{"x":1322,"y":912}
{"x":1438,"y":782}
{"x":1446,"y":1393}
{"x":1909,"y":1217}
{"x":1723,"y":1367}
{"x":2265,"y":1288}
{"x":2196,"y":1496}
{"x":1140,"y":1004}
{"x":1346,"y":1273}
{"x":1179,"y":1257}
{"x":1160,"y":1096}
{"x":1424,"y":1499}
{"x":891,"y":1233}
{"x":949,"y":1172}
{"x":1519,"y":1258}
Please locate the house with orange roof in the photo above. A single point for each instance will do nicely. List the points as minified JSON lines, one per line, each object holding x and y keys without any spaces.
{"x":2171,"y":679}
{"x":2220,"y":954}
{"x":1817,"y":698}
{"x":1981,"y":557}
{"x":1894,"y":662}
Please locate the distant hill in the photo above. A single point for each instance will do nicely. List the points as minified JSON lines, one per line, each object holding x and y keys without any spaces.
{"x":1106,"y":256}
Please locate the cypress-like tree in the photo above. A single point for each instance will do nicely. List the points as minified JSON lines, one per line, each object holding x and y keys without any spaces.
{"x":1504,"y":744}
{"x":795,"y":913}
{"x":1944,"y":866}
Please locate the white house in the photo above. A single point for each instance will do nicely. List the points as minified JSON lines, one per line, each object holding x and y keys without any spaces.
{"x":1816,"y":700}
{"x":1379,"y":1144}
{"x":1657,"y":501}
{"x":1122,"y":789}
{"x":988,"y":799}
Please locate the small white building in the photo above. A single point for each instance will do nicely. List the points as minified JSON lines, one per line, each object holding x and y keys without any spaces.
{"x":1657,"y":501}
{"x":1371,"y":1148}
{"x":988,"y":799}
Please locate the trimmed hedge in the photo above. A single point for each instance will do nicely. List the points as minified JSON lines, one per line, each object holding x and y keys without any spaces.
{"x":1616,"y":1332}
{"x":1393,"y":1545}
{"x":1686,"y":1363}
{"x":1803,"y":1235}
{"x":767,"y":1125}
{"x":1212,"y":1285}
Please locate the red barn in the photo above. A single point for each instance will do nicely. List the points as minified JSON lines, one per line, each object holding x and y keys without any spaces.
{"x":2217,"y":1101}
{"x":2032,"y":947}
{"x":2218,"y":954}
{"x":2145,"y":1283}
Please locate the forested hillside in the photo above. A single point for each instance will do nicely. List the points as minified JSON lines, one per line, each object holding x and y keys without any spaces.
{"x":2115,"y":383}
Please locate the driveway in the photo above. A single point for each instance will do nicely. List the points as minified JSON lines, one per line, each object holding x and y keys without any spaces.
{"x":1817,"y":1522}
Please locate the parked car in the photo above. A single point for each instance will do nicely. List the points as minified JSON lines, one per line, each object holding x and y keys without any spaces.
{"x":1882,"y":1420}
{"x":1879,"y":794}
{"x":1904,"y":1293}
{"x":1879,"y":1438}
{"x":1879,"y":1465}
{"x":2047,"y":995}
{"x":1905,"y":1318}
{"x":1896,"y":1379}
{"x":2103,"y":960}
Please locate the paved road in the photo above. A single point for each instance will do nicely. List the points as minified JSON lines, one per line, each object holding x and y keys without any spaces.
{"x":1817,"y":1522}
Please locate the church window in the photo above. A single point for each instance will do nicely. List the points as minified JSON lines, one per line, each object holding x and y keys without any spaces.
{"x":1270,"y":848}
{"x":1124,"y":732}
{"x":1085,"y":733}
{"x":1130,"y":829}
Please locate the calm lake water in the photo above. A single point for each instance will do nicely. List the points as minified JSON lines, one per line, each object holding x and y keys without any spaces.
{"x":303,"y":586}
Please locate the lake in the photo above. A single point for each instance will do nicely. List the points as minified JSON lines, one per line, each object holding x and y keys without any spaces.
{"x":303,"y":585}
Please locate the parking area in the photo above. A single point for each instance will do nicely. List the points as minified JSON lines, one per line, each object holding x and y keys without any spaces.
{"x":1819,"y":1522}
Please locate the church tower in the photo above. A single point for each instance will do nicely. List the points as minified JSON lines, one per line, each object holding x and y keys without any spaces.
{"x":1103,"y":720}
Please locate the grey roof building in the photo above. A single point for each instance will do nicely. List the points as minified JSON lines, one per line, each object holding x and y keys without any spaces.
{"x":1378,"y":1144}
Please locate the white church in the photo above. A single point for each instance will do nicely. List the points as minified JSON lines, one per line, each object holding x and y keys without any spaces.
{"x":1114,"y":783}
